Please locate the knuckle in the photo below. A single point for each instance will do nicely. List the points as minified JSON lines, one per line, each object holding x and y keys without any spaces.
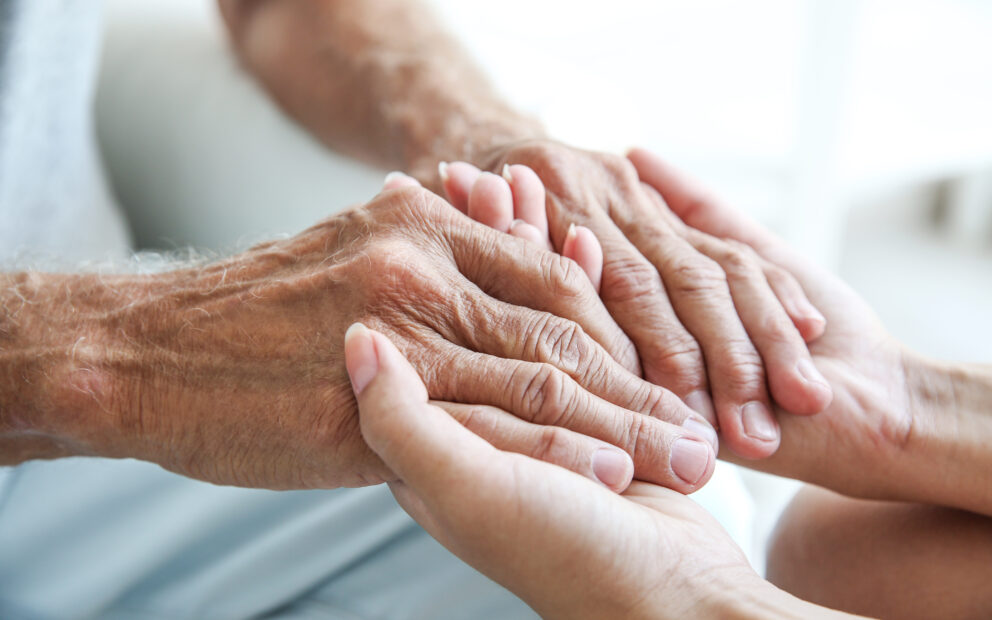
{"x":630,"y":278}
{"x":695,"y":274}
{"x":562,"y":343}
{"x":739,"y":262}
{"x":564,"y":277}
{"x":620,"y":168}
{"x":777,"y":329}
{"x":680,"y":359}
{"x":743,"y":369}
{"x":544,"y":394}
{"x":553,"y":445}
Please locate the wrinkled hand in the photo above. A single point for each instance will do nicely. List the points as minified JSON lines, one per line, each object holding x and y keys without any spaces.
{"x":852,"y":446}
{"x":707,"y":316}
{"x":567,"y":547}
{"x":234,"y":372}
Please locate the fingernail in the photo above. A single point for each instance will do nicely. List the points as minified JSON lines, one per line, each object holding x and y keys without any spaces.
{"x":570,"y":235}
{"x":392,"y":176}
{"x":442,"y":171}
{"x":506,"y":174}
{"x":690,"y":458}
{"x":810,"y":373}
{"x":612,"y":467}
{"x":704,"y":430}
{"x":361,"y":359}
{"x":758,"y":422}
{"x":701,"y":402}
{"x":810,"y":311}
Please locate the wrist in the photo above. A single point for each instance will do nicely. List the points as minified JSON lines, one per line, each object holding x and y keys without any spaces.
{"x":57,"y":369}
{"x":747,"y":598}
{"x":948,"y":453}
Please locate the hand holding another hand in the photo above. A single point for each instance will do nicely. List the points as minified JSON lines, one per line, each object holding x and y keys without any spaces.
{"x":566,"y":546}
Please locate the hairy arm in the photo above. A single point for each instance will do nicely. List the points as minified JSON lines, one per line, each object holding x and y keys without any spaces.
{"x":377,"y":79}
{"x":54,"y":357}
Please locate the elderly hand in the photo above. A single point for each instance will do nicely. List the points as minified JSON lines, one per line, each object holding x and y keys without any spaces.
{"x":234,"y":373}
{"x":567,"y":547}
{"x":706,"y":315}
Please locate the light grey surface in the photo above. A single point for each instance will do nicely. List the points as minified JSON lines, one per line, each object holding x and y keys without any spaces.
{"x":53,"y":200}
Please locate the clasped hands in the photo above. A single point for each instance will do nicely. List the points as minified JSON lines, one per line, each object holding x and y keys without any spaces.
{"x":661,"y":317}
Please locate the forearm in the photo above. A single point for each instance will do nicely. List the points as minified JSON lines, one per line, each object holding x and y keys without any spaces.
{"x":53,"y":363}
{"x":750,"y":599}
{"x":377,"y":79}
{"x":951,"y":443}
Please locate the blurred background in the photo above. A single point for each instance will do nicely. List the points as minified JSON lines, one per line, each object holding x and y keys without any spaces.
{"x":860,"y":130}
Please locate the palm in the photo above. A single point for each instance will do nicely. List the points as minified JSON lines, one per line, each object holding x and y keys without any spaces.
{"x":869,"y":415}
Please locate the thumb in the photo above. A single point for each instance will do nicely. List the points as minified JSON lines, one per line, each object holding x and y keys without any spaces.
{"x":426,"y":448}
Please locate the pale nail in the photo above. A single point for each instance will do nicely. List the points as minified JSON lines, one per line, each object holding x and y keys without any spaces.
{"x":612,"y":466}
{"x":363,"y":364}
{"x":392,"y":176}
{"x":506,"y":174}
{"x":690,"y":459}
{"x":704,"y":430}
{"x":758,"y":422}
{"x":701,"y":402}
{"x":442,"y":171}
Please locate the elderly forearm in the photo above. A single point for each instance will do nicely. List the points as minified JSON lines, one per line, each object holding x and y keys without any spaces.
{"x":53,"y":350}
{"x":377,"y":79}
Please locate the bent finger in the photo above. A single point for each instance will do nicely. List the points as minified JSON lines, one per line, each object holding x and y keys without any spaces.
{"x":663,"y":453}
{"x":582,"y":246}
{"x":594,"y":459}
{"x":457,"y":179}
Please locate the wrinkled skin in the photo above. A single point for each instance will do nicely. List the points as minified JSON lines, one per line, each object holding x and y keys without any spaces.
{"x":234,"y":373}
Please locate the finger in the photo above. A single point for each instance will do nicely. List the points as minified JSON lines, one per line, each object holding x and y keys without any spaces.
{"x":700,"y":294}
{"x":528,"y":196}
{"x":793,"y":380}
{"x":398,"y":180}
{"x":483,"y":324}
{"x":594,"y":459}
{"x":457,"y":179}
{"x":523,"y":230}
{"x":582,"y":246}
{"x":519,"y":273}
{"x":424,"y":446}
{"x":702,"y":211}
{"x":490,"y":202}
{"x":632,"y":291}
{"x":663,"y":453}
{"x":804,"y":315}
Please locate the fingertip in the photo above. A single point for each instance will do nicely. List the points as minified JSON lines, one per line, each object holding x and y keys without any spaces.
{"x":457,"y":179}
{"x":613,"y":468}
{"x":582,"y":246}
{"x":527,"y":232}
{"x":360,"y":357}
{"x":398,"y":180}
{"x":750,"y":431}
{"x":810,"y":327}
{"x":490,"y":202}
{"x":528,"y":196}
